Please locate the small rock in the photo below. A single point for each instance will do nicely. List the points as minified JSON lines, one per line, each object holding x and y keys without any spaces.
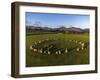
{"x":77,"y":49}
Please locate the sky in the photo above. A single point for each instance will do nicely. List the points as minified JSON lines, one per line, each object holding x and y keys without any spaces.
{"x":55,"y":20}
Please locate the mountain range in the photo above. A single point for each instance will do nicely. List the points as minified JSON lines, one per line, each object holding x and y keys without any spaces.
{"x":60,"y":29}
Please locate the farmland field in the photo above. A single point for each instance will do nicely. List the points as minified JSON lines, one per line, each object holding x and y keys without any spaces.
{"x":46,"y":49}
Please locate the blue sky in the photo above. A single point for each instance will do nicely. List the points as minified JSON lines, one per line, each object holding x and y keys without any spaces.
{"x":55,"y":20}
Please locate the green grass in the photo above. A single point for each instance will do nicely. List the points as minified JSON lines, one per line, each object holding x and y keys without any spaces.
{"x":55,"y":43}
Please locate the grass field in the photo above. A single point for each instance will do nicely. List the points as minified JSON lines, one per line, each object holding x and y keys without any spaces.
{"x":56,"y":49}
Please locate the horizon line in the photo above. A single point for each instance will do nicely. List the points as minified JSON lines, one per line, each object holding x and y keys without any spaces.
{"x":58,"y":27}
